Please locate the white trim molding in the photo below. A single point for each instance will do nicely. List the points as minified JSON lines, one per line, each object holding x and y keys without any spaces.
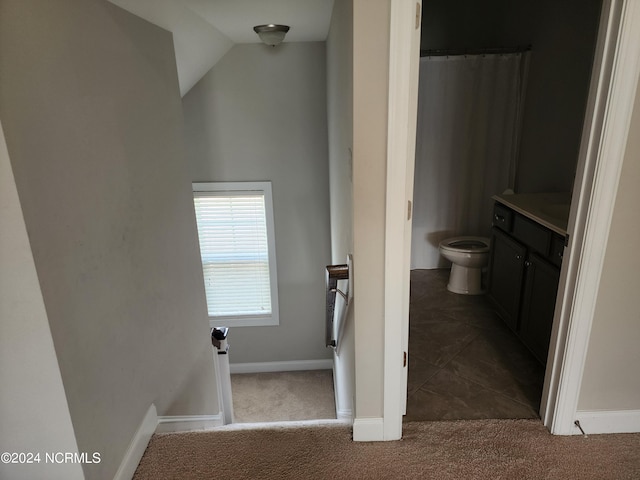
{"x":596,"y":187}
{"x":404,"y":46}
{"x":368,"y":430}
{"x":284,"y":424}
{"x":609,"y":421}
{"x":195,"y":423}
{"x":138,"y":445}
{"x":189,"y":423}
{"x":289,"y":366}
{"x":211,"y":236}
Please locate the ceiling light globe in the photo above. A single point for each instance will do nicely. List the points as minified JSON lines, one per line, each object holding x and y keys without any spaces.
{"x":271,"y":34}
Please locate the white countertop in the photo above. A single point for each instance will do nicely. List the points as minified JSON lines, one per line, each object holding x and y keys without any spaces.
{"x":548,"y":209}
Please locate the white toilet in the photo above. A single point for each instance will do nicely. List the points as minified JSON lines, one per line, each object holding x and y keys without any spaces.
{"x":468,"y":256}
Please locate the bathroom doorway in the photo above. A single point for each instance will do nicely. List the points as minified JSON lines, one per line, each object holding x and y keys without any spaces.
{"x":449,"y":319}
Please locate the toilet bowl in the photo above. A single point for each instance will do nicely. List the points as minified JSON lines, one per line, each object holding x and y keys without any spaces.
{"x":468,"y":255}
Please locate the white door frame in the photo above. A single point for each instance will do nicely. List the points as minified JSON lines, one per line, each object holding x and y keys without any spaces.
{"x":606,"y":128}
{"x":605,"y":131}
{"x":404,"y":61}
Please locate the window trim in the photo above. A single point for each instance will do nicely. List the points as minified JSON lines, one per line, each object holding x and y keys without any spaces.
{"x":265,"y":189}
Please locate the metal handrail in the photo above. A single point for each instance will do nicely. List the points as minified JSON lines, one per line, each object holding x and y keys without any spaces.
{"x":334,"y":273}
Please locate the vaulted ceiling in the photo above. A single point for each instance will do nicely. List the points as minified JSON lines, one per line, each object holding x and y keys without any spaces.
{"x":204,"y":30}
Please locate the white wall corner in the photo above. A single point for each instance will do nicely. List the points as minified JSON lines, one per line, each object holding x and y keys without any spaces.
{"x":368,"y":429}
{"x":289,"y":366}
{"x":138,"y":445}
{"x":608,"y":421}
{"x":189,"y":423}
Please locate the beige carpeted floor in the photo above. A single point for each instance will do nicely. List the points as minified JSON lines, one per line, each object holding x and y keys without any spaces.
{"x":283,"y":396}
{"x":469,"y":449}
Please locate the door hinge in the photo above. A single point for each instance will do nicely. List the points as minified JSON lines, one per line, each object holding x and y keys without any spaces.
{"x":404,"y":363}
{"x":409,"y":210}
{"x":417,"y":15}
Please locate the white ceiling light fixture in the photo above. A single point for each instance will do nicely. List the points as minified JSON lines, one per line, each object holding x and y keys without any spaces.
{"x":271,"y":34}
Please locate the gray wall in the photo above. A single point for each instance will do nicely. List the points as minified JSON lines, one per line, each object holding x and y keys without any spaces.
{"x":261,"y":114}
{"x":562,"y":34}
{"x":28,"y":364}
{"x":91,"y":112}
{"x":610,"y":380}
{"x":340,"y":122}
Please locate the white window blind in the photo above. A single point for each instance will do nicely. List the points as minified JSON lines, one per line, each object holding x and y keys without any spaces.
{"x":235,"y":223}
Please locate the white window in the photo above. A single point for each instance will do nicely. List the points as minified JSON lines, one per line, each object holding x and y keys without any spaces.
{"x":237,"y":245}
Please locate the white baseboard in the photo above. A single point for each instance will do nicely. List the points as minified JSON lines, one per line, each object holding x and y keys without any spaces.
{"x":138,"y":445}
{"x":608,"y":421}
{"x":189,"y":423}
{"x":368,"y":430}
{"x":283,"y":424}
{"x":291,"y":366}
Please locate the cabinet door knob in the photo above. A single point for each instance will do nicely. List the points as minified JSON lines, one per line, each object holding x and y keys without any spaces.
{"x":518,"y":257}
{"x":527,"y":263}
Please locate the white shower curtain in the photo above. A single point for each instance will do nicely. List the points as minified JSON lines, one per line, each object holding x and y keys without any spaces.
{"x":468,"y":110}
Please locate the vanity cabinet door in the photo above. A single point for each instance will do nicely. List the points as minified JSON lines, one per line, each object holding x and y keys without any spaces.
{"x":538,"y":305}
{"x":506,"y":267}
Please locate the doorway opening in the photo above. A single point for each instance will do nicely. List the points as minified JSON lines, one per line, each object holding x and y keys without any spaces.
{"x":464,"y":361}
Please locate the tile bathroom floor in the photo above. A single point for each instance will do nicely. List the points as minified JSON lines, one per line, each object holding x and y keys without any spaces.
{"x":464,"y":362}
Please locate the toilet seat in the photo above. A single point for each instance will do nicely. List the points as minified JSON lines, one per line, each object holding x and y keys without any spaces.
{"x":466,"y":244}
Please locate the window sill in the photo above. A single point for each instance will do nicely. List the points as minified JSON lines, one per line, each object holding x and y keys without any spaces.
{"x":247,"y":321}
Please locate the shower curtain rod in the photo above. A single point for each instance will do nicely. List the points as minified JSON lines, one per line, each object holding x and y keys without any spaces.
{"x":449,"y":52}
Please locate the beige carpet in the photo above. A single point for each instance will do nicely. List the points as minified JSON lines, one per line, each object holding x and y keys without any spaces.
{"x":283,"y":396}
{"x":469,"y":449}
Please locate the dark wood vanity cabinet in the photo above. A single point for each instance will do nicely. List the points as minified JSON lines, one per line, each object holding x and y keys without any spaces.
{"x":506,"y":273}
{"x":524,"y":270}
{"x":538,"y":304}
